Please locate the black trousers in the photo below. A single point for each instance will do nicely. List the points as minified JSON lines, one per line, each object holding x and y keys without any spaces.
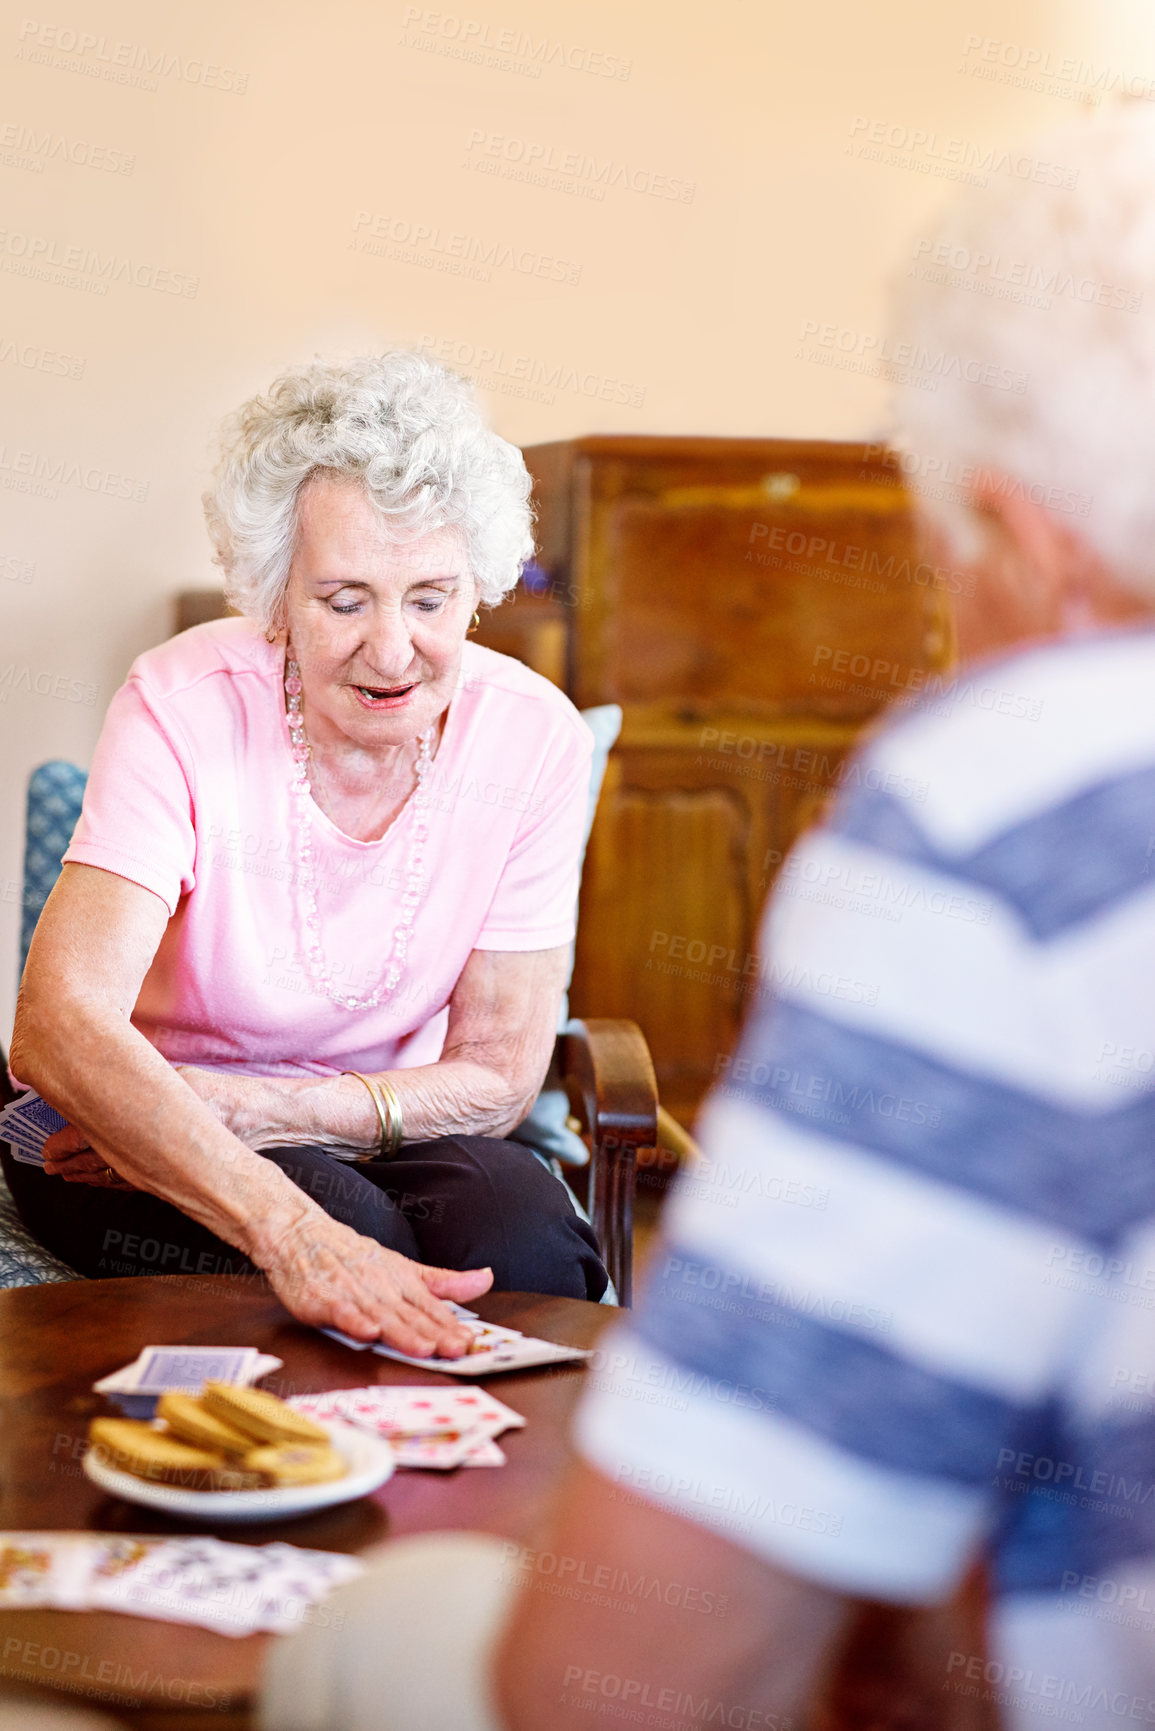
{"x":458,"y":1202}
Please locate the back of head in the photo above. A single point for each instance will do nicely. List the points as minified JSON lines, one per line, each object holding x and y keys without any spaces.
{"x":1029,"y":307}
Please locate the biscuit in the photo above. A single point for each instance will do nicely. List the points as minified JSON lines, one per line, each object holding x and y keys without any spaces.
{"x":191,"y":1422}
{"x":135,"y":1447}
{"x":297,"y":1464}
{"x":260,"y":1415}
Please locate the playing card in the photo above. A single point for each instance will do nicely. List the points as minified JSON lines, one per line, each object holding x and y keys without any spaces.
{"x":485,"y":1454}
{"x":189,"y":1367}
{"x":44,"y":1569}
{"x":135,"y":1388}
{"x":347,"y":1340}
{"x":441,"y":1453}
{"x":233,"y":1589}
{"x":493,"y":1350}
{"x":435,"y":1427}
{"x":29,"y":1119}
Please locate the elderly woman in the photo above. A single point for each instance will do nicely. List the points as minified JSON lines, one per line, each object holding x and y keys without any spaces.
{"x":301,"y":973}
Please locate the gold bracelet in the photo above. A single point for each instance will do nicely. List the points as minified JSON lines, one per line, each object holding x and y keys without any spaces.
{"x":386,"y":1129}
{"x":393,"y":1108}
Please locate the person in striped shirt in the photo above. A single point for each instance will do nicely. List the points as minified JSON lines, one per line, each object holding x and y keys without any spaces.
{"x":902,"y":1316}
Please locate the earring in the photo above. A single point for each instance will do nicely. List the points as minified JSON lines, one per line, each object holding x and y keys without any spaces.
{"x":474,"y":626}
{"x":270,"y":637}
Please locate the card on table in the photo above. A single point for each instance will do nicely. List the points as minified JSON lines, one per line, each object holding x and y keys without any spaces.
{"x":44,"y":1569}
{"x":427,"y":1427}
{"x":494,"y":1349}
{"x":156,"y":1370}
{"x":233,"y":1589}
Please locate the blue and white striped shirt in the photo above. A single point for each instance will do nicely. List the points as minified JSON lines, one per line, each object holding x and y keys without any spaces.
{"x":905,"y":1309}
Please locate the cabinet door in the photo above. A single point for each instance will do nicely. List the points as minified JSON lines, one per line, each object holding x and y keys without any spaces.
{"x":720,"y":598}
{"x":686,"y":844}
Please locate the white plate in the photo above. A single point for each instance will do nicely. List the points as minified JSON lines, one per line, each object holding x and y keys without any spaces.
{"x":368,"y":1457}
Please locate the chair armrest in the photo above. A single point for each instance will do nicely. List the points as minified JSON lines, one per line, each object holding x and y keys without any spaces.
{"x":607,"y":1064}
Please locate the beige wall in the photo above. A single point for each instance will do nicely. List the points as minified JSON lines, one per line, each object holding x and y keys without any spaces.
{"x":239,"y":164}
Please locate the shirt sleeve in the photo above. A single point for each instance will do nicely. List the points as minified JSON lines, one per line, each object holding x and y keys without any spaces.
{"x":139,"y":803}
{"x":535,"y":905}
{"x":849,"y":1322}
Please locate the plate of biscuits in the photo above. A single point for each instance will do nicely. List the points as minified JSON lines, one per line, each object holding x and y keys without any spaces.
{"x":234,"y":1454}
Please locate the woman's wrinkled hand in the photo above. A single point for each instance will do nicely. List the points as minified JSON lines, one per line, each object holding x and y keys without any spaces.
{"x":68,"y":1154}
{"x":252,"y":1107}
{"x":332,"y":1277}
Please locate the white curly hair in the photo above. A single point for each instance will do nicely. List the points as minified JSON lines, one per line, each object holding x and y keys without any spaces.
{"x":1056,"y":282}
{"x":400,"y":425}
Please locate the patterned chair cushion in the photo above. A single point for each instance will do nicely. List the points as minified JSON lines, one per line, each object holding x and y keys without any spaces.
{"x":23,"y":1262}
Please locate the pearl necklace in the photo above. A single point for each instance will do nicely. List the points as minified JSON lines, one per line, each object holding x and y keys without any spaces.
{"x":416,"y":882}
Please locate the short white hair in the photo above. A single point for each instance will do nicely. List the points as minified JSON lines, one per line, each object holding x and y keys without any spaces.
{"x":400,"y":425}
{"x":1055,"y":282}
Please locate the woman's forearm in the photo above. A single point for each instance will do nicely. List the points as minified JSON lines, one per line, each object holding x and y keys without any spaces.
{"x":456,"y":1096}
{"x":94,"y":1067}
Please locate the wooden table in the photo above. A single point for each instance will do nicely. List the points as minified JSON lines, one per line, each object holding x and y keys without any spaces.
{"x":55,"y":1341}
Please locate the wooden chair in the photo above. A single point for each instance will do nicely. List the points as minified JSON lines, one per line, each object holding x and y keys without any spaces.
{"x":609,"y":1075}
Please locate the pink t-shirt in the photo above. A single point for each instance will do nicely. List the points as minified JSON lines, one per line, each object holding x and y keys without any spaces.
{"x":189,"y":796}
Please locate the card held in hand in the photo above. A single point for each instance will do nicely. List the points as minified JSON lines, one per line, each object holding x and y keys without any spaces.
{"x":26,"y":1124}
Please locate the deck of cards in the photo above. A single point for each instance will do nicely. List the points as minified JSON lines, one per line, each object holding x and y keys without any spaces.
{"x":135,"y":1388}
{"x":25,"y":1125}
{"x":231,"y":1589}
{"x":426,"y":1427}
{"x":492,"y":1349}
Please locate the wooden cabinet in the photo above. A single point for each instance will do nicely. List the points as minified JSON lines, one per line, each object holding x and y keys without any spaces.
{"x":751,"y":604}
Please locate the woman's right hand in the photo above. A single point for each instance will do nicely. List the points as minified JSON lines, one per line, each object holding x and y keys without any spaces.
{"x":333,"y":1277}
